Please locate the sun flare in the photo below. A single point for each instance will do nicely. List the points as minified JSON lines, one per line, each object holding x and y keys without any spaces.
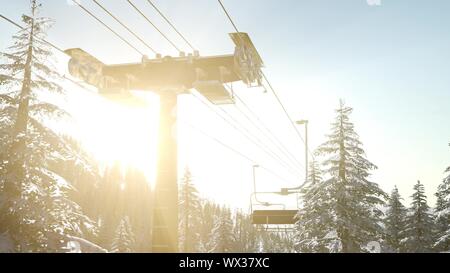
{"x":117,"y":133}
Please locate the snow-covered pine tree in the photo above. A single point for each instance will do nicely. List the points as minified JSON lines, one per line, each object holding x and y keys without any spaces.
{"x":124,"y":241}
{"x":207,"y":220}
{"x":270,"y":243}
{"x":85,"y":180}
{"x":222,"y":237}
{"x":441,"y":221}
{"x":35,"y":211}
{"x":288,"y":242}
{"x":189,"y":220}
{"x":276,"y":242}
{"x":310,"y":228}
{"x":239,"y":231}
{"x":348,"y":204}
{"x":419,"y":223}
{"x":205,"y":225}
{"x":315,"y":175}
{"x":442,"y":214}
{"x":247,"y":236}
{"x":138,"y":205}
{"x":110,"y":203}
{"x":395,"y":221}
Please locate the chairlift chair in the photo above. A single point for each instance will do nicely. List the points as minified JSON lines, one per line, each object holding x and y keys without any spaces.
{"x":271,"y":217}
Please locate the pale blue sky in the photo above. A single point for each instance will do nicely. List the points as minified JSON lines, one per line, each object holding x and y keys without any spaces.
{"x":390,"y":62}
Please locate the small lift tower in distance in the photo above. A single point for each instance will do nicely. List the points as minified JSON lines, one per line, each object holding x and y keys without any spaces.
{"x":170,"y":77}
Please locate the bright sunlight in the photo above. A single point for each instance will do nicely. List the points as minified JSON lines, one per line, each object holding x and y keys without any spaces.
{"x":120,"y":133}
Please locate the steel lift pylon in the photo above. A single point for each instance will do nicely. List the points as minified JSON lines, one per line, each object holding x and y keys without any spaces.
{"x":170,"y":77}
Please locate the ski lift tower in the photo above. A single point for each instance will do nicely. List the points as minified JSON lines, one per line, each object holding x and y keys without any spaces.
{"x":170,"y":77}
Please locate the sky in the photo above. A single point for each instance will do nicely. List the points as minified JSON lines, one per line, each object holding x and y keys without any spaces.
{"x":388,"y":59}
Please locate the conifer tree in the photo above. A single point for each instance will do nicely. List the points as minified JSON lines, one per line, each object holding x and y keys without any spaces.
{"x":207,"y":220}
{"x":35,"y":210}
{"x":189,"y":221}
{"x":395,"y":221}
{"x":138,"y":205}
{"x":276,"y":242}
{"x":441,"y":220}
{"x":347,"y":205}
{"x":110,"y":203}
{"x":222,"y":237}
{"x":315,"y":173}
{"x":124,"y":240}
{"x":419,"y":224}
{"x":247,"y":237}
{"x":85,"y":179}
{"x":311,"y":218}
{"x":442,"y":214}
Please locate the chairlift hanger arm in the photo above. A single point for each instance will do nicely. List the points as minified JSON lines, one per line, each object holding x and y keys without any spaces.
{"x":283,"y":206}
{"x":254,"y":196}
{"x":287,"y":191}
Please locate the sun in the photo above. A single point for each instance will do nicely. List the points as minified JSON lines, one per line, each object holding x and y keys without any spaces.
{"x":116,"y":132}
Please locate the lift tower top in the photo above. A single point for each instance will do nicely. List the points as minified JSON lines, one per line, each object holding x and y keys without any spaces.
{"x":169,"y":77}
{"x":205,"y":74}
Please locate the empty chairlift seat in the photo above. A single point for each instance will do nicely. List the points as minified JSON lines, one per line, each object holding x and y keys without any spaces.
{"x":274,"y":217}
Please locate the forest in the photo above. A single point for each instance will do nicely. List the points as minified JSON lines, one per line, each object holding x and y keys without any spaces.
{"x":54,"y":193}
